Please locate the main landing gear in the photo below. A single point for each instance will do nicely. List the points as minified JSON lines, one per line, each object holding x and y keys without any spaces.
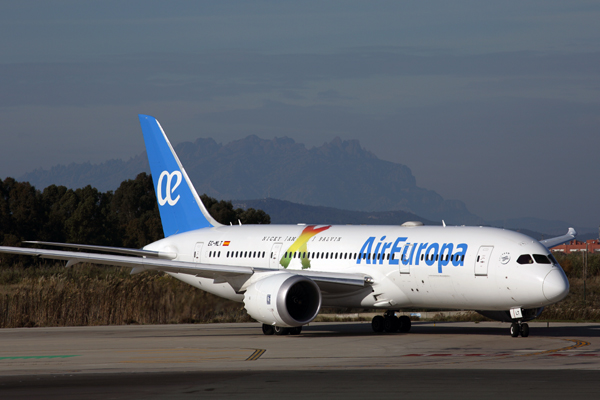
{"x":519,"y":328}
{"x":278,"y":330}
{"x":389,"y":323}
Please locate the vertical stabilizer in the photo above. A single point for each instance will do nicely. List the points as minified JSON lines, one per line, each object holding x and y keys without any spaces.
{"x":180,"y":207}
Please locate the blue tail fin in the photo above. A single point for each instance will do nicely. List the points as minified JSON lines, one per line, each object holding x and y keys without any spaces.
{"x":181,"y":209}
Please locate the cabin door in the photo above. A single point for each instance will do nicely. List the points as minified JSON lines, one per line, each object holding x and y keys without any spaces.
{"x":198,"y":252}
{"x":274,"y":258}
{"x":483,"y":259}
{"x":404,"y":259}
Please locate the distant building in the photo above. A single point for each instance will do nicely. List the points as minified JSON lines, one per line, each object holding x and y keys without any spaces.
{"x":575,"y":245}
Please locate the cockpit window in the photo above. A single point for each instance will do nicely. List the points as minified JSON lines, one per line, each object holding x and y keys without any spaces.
{"x":541,"y":259}
{"x":525,"y":259}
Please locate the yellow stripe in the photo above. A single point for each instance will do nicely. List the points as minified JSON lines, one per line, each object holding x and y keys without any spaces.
{"x":256,"y":355}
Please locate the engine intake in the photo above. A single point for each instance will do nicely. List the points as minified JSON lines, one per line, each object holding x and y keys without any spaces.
{"x":283,"y":299}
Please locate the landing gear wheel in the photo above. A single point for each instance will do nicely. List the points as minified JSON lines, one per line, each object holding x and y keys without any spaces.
{"x":515,"y":329}
{"x":405,"y":323}
{"x":268,"y":329}
{"x":296,"y":330}
{"x":391,"y":324}
{"x":377,"y":324}
{"x":281,"y":330}
{"x":524,"y":330}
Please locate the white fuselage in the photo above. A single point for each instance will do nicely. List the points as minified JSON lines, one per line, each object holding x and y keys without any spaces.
{"x":472,"y":268}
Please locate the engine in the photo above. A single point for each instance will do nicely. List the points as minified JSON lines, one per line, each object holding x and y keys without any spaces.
{"x":284,"y":300}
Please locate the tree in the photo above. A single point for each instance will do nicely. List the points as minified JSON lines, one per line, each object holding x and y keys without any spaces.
{"x":135,"y":211}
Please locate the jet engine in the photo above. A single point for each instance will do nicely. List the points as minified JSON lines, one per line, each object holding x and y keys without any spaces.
{"x":284,"y":300}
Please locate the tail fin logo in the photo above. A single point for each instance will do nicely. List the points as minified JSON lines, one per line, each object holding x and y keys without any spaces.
{"x":169,"y":189}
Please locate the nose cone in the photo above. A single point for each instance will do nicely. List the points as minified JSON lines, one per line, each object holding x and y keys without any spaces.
{"x":556,"y":286}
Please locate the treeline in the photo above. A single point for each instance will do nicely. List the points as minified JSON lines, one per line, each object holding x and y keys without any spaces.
{"x":38,"y":292}
{"x":127,"y":217}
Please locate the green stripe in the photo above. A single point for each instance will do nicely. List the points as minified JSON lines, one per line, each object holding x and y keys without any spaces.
{"x":35,"y":357}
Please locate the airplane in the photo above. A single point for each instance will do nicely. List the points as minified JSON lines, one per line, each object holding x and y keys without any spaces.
{"x":285,"y":274}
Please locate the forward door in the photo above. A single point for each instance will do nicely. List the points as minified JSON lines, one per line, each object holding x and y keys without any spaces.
{"x":483,"y":259}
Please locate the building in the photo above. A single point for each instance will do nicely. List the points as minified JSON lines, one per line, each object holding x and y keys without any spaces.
{"x":575,"y":245}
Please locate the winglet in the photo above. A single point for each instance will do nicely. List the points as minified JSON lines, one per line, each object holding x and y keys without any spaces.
{"x":571,"y":235}
{"x":181,"y":209}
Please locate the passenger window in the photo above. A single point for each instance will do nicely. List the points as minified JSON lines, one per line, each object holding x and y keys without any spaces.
{"x":541,"y":259}
{"x":525,"y":259}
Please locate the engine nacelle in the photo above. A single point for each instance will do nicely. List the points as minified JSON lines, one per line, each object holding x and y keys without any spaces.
{"x":284,"y":300}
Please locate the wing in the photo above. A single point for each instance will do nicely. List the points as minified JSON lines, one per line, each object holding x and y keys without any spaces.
{"x":571,"y":234}
{"x":330,"y":282}
{"x":107,"y":249}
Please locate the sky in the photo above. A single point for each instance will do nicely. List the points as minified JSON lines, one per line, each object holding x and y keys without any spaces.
{"x":496,"y":104}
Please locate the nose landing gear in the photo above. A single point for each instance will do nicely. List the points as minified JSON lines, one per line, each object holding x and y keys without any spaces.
{"x":519,"y":328}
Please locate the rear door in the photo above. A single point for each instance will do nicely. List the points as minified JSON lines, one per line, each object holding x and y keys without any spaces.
{"x":198,"y":252}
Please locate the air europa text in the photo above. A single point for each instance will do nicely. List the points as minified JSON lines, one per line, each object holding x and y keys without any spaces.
{"x":400,"y":250}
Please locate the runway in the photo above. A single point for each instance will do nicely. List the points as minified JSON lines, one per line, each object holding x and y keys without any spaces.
{"x":333,"y":360}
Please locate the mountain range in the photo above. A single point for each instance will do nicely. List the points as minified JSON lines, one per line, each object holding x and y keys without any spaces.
{"x":340,"y":174}
{"x":340,"y":177}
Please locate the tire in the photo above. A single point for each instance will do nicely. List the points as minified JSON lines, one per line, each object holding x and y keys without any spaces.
{"x":515,"y":329}
{"x":377,"y":324}
{"x":391,"y":324}
{"x":279,"y":330}
{"x":405,"y":324}
{"x":296,"y":330}
{"x":524,"y":330}
{"x":268,"y":329}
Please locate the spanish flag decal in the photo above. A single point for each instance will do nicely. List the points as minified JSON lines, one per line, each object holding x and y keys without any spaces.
{"x":226,"y":243}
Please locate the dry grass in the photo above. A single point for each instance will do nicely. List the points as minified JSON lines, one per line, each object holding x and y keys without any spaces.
{"x":50,"y":295}
{"x":573,"y":307}
{"x":92,"y":296}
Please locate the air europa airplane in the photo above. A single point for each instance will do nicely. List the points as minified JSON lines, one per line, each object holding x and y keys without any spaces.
{"x":285,"y":274}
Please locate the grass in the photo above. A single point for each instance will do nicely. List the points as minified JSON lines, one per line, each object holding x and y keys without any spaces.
{"x":90,"y":295}
{"x":48,"y":294}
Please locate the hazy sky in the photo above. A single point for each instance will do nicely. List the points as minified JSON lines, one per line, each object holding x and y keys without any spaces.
{"x":496,"y":104}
